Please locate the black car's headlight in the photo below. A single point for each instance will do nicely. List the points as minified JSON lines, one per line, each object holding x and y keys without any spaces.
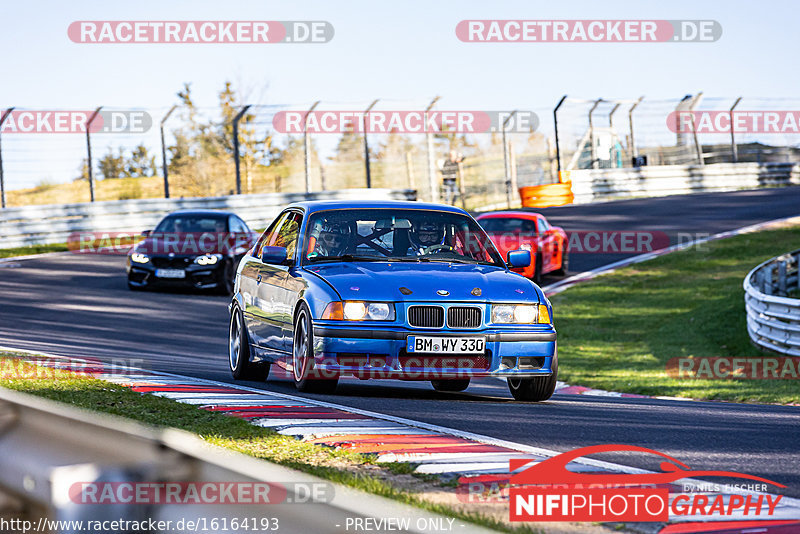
{"x":138,"y":257}
{"x":520,"y":314}
{"x":208,"y":259}
{"x":359,"y":310}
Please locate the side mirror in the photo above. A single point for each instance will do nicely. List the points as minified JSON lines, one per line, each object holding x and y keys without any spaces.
{"x":274,"y":255}
{"x":146,"y":233}
{"x":518,"y":258}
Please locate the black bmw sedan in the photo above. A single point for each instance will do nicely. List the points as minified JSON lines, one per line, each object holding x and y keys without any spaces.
{"x":190,"y":248}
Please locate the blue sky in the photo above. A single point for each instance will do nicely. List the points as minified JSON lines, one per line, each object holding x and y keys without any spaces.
{"x":405,"y":51}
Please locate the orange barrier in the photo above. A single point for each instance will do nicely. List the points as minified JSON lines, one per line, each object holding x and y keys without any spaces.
{"x":543,"y":196}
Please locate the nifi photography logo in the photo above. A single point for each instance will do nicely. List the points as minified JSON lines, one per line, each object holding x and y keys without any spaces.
{"x":548,"y":491}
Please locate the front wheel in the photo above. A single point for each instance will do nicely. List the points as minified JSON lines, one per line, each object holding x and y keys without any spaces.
{"x":239,"y":352}
{"x":535,"y":389}
{"x":306,"y":377}
{"x":450,"y":385}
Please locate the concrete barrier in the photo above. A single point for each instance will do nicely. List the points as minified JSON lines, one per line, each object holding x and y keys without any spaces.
{"x":33,"y":225}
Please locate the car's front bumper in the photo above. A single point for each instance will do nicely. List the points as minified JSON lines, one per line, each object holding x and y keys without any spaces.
{"x":381,"y":353}
{"x":197,"y":276}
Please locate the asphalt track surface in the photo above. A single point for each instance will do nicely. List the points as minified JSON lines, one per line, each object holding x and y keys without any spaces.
{"x":79,"y":305}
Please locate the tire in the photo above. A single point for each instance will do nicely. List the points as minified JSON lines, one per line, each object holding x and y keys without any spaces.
{"x":239,"y":351}
{"x":453,"y":385}
{"x":537,"y":270}
{"x":303,"y":370}
{"x":225,"y":286}
{"x":534,"y":389}
{"x":562,"y":270}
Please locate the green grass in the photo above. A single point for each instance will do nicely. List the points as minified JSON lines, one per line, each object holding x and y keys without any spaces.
{"x":32,"y":249}
{"x":337,"y":465}
{"x":618,"y":331}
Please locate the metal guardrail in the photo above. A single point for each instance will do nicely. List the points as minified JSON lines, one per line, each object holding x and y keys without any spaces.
{"x":33,"y":225}
{"x":603,"y":184}
{"x":47,"y":447}
{"x":773,"y":318}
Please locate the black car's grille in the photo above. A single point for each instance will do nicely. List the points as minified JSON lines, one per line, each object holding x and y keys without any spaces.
{"x":464,"y":317}
{"x":171,"y":263}
{"x":426,"y":316}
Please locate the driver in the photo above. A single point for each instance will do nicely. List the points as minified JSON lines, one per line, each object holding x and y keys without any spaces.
{"x":426,"y":234}
{"x":333,"y":239}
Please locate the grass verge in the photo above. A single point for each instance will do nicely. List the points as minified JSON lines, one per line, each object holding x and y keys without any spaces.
{"x":618,"y":331}
{"x":337,"y":465}
{"x":32,"y":249}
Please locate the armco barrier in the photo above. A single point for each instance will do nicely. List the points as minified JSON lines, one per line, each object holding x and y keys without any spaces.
{"x":31,"y":225}
{"x":46,"y":449}
{"x":595,"y":185}
{"x":773,"y":319}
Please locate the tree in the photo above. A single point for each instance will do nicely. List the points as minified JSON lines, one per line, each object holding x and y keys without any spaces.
{"x":112,"y":165}
{"x":141,"y":164}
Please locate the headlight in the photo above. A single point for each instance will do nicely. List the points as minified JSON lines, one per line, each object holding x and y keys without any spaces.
{"x":356,"y":310}
{"x":520,"y":314}
{"x":138,"y":257}
{"x":208,"y":259}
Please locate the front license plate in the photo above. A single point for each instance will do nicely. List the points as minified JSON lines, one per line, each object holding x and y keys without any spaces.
{"x":170,"y":273}
{"x":446,"y":345}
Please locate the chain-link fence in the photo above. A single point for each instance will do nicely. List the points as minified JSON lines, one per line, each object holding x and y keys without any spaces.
{"x":45,"y":156}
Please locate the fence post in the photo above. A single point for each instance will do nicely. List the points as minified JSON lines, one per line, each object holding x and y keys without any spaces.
{"x":89,"y":152}
{"x":698,"y":149}
{"x":236,"y":120}
{"x":306,"y":153}
{"x":431,"y":166}
{"x":734,"y":150}
{"x":164,"y":169}
{"x":366,"y":144}
{"x":632,"y":147}
{"x":6,"y":113}
{"x":593,"y":151}
{"x":506,"y":159}
{"x":558,"y":147}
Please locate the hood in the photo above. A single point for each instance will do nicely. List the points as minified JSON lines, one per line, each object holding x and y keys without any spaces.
{"x":382,"y":281}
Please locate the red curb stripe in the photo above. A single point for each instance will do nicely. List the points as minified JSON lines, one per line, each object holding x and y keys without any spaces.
{"x":734,"y":527}
{"x":298,"y":417}
{"x":401,"y":448}
{"x":346,"y":439}
{"x":186,"y":389}
{"x":573,"y":390}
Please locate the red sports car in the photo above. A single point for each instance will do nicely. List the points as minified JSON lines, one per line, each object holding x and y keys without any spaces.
{"x":513,"y":230}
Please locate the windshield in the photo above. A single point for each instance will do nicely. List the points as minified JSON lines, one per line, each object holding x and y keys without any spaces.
{"x":190,"y":223}
{"x":398,"y":235}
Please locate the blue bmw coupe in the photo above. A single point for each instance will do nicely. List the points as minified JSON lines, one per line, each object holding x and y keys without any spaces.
{"x":400,"y":290}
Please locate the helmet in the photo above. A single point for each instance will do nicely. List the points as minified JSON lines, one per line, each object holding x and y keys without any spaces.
{"x":427,"y":233}
{"x":333,"y":239}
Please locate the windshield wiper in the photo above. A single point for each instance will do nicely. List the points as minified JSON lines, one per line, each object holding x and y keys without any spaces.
{"x":345,"y":257}
{"x":414,"y":259}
